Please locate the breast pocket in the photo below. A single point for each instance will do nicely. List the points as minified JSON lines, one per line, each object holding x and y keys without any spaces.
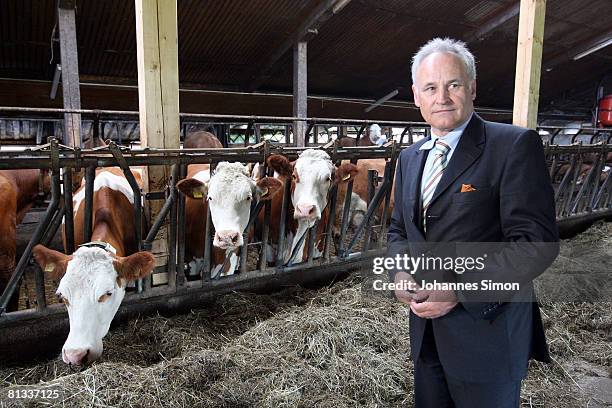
{"x":480,"y":195}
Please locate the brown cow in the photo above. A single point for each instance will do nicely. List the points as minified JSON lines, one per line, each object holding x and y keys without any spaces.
{"x":201,"y":140}
{"x":18,"y":192}
{"x":359,"y":195}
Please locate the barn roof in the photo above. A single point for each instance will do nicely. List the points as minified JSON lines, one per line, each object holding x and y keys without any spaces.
{"x":362,"y":51}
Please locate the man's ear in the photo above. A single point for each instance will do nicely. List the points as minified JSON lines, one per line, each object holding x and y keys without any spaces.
{"x":415,"y":92}
{"x":267,"y":187}
{"x":192,"y":188}
{"x":345,"y":173}
{"x":52,"y":262}
{"x":473,"y":89}
{"x":135,"y":266}
{"x":281,"y":165}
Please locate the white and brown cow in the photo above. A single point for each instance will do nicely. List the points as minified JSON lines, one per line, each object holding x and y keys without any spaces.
{"x":19,"y":190}
{"x":312,"y":176}
{"x":92,"y":280}
{"x":375,"y":137}
{"x":229,"y":193}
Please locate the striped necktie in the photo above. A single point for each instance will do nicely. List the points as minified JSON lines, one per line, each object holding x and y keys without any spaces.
{"x":434,"y":175}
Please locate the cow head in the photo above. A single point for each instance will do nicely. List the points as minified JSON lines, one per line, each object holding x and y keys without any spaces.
{"x":92,"y":286}
{"x":313,"y":173}
{"x":230,"y":192}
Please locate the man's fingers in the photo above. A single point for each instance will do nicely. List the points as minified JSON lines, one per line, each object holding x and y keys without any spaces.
{"x":421,"y":296}
{"x":420,"y":308}
{"x":403,"y":296}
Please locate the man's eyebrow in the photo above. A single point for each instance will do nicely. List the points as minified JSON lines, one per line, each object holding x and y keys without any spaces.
{"x":447,"y":82}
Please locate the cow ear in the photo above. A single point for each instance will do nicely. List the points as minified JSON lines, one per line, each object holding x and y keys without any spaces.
{"x":135,"y":266}
{"x":281,"y":165}
{"x":54,"y":263}
{"x":192,"y":188}
{"x":346,"y":172}
{"x":267,"y":187}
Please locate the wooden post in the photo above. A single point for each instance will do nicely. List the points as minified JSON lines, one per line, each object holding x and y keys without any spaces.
{"x":158,"y":84}
{"x":70,"y":72}
{"x":528,"y":63}
{"x":300,"y":91}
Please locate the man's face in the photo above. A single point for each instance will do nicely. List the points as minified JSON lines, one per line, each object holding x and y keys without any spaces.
{"x":443,"y":92}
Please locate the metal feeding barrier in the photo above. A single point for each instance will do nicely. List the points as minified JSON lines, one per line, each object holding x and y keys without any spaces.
{"x":580,"y":175}
{"x":182,"y":290}
{"x":582,"y":179}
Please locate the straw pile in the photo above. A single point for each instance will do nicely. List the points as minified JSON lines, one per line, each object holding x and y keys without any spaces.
{"x":300,"y":348}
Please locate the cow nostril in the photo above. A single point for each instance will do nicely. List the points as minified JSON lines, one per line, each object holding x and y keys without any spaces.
{"x":235,"y":238}
{"x":311,"y":211}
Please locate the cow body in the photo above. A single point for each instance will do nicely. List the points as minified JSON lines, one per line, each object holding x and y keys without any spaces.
{"x":359,"y":197}
{"x":92,"y":280}
{"x":375,"y":137}
{"x":18,"y":191}
{"x":202,"y":140}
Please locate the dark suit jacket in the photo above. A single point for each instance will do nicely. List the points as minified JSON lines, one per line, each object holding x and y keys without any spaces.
{"x":513,"y":203}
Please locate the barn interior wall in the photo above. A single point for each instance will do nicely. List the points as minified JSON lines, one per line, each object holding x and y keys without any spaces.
{"x":35,"y":94}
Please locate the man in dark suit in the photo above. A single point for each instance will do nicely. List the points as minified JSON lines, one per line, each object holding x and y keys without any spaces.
{"x":471,"y":181}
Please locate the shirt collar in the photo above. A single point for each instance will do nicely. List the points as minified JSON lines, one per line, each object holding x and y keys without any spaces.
{"x":451,"y":138}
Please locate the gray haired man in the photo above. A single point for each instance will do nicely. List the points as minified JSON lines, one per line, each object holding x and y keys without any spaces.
{"x":471,"y":181}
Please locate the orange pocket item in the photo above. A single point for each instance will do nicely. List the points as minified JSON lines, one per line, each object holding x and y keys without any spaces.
{"x":466,"y":188}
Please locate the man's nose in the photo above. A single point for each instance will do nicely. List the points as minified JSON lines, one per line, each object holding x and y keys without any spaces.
{"x":443,"y":95}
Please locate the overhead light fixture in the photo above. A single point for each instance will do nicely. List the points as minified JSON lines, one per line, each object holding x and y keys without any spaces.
{"x":594,"y":48}
{"x":382,"y":100}
{"x":340,"y":5}
{"x":56,"y":79}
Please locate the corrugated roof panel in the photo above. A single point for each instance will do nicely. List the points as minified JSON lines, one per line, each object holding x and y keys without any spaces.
{"x":481,"y":10}
{"x":362,"y":51}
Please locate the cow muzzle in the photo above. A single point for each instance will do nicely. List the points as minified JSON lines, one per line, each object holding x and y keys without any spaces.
{"x":307,"y":212}
{"x":78,"y":357}
{"x":228,"y":239}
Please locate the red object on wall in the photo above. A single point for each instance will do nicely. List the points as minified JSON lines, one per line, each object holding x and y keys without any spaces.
{"x":605,"y":110}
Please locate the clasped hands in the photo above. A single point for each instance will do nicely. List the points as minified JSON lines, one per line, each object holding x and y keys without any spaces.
{"x":427,"y":304}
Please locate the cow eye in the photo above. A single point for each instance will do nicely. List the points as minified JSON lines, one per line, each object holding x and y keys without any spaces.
{"x":248,"y":198}
{"x":209,"y":198}
{"x":294,"y":176}
{"x":105,"y":297}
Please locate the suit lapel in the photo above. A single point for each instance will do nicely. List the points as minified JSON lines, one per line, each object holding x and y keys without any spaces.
{"x":417,"y":164}
{"x":468,"y":150}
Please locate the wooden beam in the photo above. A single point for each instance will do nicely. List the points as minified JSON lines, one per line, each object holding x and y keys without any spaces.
{"x":304,"y":32}
{"x":70,"y":72}
{"x":528,"y":63}
{"x":158,"y":95}
{"x":300,"y":91}
{"x":157,"y":54}
{"x":495,"y":22}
